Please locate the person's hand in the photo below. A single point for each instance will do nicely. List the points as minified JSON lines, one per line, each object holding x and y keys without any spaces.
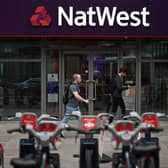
{"x":86,"y":101}
{"x":129,"y":86}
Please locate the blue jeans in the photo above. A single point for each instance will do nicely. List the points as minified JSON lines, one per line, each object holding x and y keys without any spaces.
{"x":69,"y":111}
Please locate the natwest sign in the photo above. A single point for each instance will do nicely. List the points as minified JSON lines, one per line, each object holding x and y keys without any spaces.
{"x":100,"y":16}
{"x":84,"y":17}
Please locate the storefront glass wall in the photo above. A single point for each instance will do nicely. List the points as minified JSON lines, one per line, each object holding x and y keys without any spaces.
{"x":20,"y":78}
{"x":22,"y":66}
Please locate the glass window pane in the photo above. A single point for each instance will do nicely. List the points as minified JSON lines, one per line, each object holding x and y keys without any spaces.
{"x":154,"y":49}
{"x":19,"y":50}
{"x":154,"y":94}
{"x":20,"y":87}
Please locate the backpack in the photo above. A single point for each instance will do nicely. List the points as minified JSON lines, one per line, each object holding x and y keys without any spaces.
{"x":66,"y":92}
{"x":65,"y":96}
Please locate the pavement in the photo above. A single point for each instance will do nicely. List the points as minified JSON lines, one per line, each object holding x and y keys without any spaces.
{"x":69,"y":147}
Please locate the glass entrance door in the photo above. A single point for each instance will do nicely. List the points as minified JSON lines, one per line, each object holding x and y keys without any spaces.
{"x":97,"y":71}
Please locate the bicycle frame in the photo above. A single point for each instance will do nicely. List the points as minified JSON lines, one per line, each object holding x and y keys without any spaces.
{"x":45,"y":157}
{"x":125,"y":126}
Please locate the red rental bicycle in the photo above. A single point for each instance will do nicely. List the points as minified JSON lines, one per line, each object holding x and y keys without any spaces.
{"x":41,"y":158}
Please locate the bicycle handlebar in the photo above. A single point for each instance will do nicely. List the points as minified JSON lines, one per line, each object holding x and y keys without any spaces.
{"x":99,"y":116}
{"x":20,"y":130}
{"x":154,"y":129}
{"x":81,"y":131}
{"x":127,"y":136}
{"x":45,"y":136}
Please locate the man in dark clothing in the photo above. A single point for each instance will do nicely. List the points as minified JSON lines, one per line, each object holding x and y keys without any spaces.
{"x":118,"y":87}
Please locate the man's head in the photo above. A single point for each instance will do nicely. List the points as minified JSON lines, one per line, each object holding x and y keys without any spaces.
{"x":123,"y":72}
{"x":77,"y":78}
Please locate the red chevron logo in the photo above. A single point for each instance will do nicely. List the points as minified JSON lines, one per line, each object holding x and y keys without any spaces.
{"x":40,"y":17}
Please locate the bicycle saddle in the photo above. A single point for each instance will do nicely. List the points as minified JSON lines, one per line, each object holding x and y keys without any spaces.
{"x":26,"y":162}
{"x":145,"y":149}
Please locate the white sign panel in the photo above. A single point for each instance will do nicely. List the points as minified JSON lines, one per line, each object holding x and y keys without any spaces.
{"x":52,"y":87}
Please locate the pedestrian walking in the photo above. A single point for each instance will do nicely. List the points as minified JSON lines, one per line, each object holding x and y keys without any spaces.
{"x":73,"y":97}
{"x":118,"y":87}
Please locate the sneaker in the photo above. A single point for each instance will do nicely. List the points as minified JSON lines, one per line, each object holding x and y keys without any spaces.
{"x":111,"y":120}
{"x":62,"y":135}
{"x":115,"y":144}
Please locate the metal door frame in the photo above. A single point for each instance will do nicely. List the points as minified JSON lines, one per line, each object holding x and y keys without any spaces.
{"x":44,"y":81}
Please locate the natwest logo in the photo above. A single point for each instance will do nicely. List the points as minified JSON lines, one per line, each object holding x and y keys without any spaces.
{"x":40,"y":17}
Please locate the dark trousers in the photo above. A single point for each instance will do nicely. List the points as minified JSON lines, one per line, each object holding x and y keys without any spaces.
{"x":108,"y":110}
{"x":118,"y":101}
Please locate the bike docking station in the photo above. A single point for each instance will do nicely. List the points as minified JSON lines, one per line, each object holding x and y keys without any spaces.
{"x":91,"y":147}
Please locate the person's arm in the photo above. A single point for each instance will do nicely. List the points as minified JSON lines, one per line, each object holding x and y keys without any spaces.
{"x":125,"y":87}
{"x":78,"y":97}
{"x":118,"y":84}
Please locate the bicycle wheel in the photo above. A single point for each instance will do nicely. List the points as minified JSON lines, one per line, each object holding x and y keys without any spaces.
{"x":149,"y":163}
{"x":116,"y":160}
{"x":54,"y":161}
{"x":138,"y":163}
{"x":89,"y":155}
{"x":157,"y":160}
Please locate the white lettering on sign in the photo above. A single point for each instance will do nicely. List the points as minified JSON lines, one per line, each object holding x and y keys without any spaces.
{"x":100,"y":16}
